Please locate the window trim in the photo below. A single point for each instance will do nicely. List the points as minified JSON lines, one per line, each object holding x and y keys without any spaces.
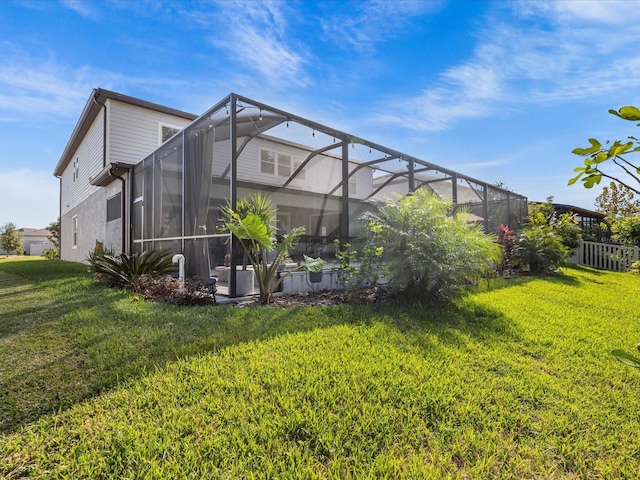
{"x":294,"y":163}
{"x":74,"y":231}
{"x":76,"y":168}
{"x":167,"y":125}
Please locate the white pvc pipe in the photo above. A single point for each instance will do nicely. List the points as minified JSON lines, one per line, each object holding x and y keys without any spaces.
{"x":179,"y":259}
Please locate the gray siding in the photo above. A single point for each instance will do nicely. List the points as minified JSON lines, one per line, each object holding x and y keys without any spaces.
{"x":90,"y":161}
{"x":322,"y":173}
{"x":134,"y":131}
{"x":91,"y":227}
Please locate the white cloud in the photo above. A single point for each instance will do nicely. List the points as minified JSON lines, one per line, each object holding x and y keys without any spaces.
{"x":612,"y":12}
{"x":28,"y":198}
{"x":363,"y":24}
{"x":40,"y":87}
{"x":31,"y":86}
{"x":561,"y":56}
{"x":79,"y":6}
{"x":255,"y":35}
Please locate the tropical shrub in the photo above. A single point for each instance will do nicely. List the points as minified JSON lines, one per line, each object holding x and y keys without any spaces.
{"x":540,"y":249}
{"x":256,"y":238}
{"x":122,"y":270}
{"x":507,"y":240}
{"x":358,"y":270}
{"x":425,"y":251}
{"x":564,"y":225}
{"x":258,"y":204}
{"x":626,"y":231}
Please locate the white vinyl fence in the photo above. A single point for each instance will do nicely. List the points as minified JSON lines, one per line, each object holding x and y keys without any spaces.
{"x":606,"y":256}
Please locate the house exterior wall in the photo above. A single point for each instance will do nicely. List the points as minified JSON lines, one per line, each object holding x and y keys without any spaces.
{"x":79,"y":197}
{"x":113,"y":228}
{"x":76,"y":189}
{"x":134,"y":132}
{"x":91,"y":214}
{"x":322,"y":173}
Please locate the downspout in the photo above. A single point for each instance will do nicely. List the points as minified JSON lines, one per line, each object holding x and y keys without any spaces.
{"x":123,"y":206}
{"x":104,"y":127}
{"x":123,"y":202}
{"x":60,"y":220}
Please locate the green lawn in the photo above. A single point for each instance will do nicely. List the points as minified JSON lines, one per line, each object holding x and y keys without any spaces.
{"x":512,"y":382}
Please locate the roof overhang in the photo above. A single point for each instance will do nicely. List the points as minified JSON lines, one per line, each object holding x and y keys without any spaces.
{"x":110,"y":173}
{"x":91,"y":110}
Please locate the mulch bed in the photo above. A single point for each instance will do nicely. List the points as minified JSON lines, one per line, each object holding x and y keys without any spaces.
{"x":326,"y":297}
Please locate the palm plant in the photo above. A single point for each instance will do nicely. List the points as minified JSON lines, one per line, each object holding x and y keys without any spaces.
{"x":257,"y":204}
{"x":256,"y":239}
{"x":540,"y":248}
{"x":425,"y":251}
{"x":121,"y":270}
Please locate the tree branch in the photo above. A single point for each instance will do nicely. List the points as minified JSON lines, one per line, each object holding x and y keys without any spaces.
{"x":628,"y":172}
{"x":626,"y":161}
{"x":618,"y":181}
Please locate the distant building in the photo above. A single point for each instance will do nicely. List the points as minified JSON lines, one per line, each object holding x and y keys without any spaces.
{"x":35,"y":240}
{"x":590,"y":222}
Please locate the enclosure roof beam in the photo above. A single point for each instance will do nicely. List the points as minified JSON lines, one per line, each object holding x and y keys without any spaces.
{"x":358,"y":167}
{"x":250,"y":137}
{"x":308,"y":159}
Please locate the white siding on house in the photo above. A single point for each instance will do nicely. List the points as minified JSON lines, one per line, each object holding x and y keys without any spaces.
{"x":322,"y":174}
{"x":90,"y":163}
{"x":133,"y":131}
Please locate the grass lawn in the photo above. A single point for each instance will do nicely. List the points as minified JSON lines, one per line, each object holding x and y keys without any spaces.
{"x":515,"y":381}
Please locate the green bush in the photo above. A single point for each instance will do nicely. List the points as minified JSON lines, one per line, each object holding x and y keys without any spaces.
{"x":568,"y":230}
{"x":51,"y":253}
{"x":357,"y":270}
{"x":426,"y":252}
{"x":122,"y":270}
{"x":626,"y":231}
{"x":540,"y":249}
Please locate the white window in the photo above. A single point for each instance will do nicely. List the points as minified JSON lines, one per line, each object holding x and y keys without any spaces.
{"x":267,"y":162}
{"x":279,"y":164}
{"x":352,"y":184}
{"x":284,"y":165}
{"x":76,"y":164}
{"x":165,"y":132}
{"x":303,"y":173}
{"x":74,"y":230}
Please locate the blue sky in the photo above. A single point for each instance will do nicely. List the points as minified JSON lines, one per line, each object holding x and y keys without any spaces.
{"x":502,"y":91}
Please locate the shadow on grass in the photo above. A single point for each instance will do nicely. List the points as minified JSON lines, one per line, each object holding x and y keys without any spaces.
{"x":453,"y":323}
{"x":88,"y":339}
{"x":94,"y":338}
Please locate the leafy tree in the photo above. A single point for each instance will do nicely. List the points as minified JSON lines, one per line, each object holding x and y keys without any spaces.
{"x":54,"y":228}
{"x":617,"y":201}
{"x":597,"y":155}
{"x":11,"y":239}
{"x":626,"y":231}
{"x":425,"y":251}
